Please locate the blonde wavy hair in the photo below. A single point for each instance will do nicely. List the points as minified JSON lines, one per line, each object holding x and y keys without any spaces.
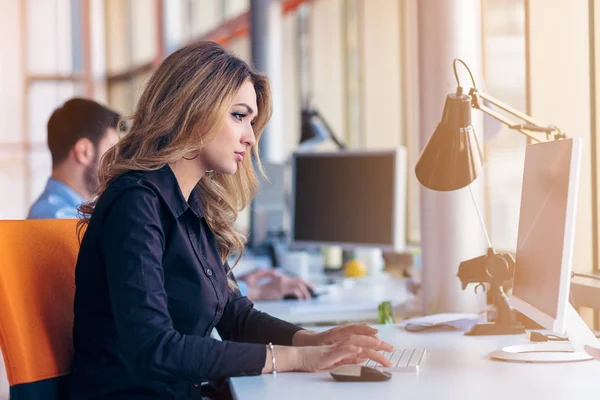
{"x":180,"y":110}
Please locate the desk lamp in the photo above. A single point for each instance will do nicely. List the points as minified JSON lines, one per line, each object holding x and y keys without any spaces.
{"x":451,"y":160}
{"x":314,"y":128}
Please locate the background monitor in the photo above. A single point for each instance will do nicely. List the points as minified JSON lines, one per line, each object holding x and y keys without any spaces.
{"x":268,"y":208}
{"x":349,"y":198}
{"x":545,"y":241}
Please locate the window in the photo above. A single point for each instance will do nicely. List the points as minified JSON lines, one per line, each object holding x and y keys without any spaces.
{"x":134,"y":43}
{"x":504,"y":78}
{"x":54,"y":68}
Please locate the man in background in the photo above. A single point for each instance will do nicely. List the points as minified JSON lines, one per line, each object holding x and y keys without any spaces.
{"x":79,"y":133}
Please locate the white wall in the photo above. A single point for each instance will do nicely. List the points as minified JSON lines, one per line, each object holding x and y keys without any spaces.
{"x":381,"y":74}
{"x":326,"y":63}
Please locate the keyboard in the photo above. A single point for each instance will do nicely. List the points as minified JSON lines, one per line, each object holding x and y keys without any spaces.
{"x":403,"y":360}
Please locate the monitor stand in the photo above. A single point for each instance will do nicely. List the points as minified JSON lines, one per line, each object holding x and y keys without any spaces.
{"x":580,"y":338}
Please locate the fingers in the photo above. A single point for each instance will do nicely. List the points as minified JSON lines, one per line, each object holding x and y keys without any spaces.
{"x":342,"y":355}
{"x":253,"y":277}
{"x":342,"y":333}
{"x":385,"y":346}
{"x":295,"y":286}
{"x":346,"y":354}
{"x":361,"y":329}
{"x":369,"y":348}
{"x":377,"y":357}
{"x":299,"y":294}
{"x":370,"y":342}
{"x":263,"y":273}
{"x":356,"y":360}
{"x":349,"y":354}
{"x":308,"y":284}
{"x":304,"y":289}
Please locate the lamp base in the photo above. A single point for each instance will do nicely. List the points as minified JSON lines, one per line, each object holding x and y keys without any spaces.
{"x":488,"y":329}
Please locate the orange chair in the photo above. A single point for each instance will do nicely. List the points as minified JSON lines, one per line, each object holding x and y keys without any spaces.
{"x":37,"y":287}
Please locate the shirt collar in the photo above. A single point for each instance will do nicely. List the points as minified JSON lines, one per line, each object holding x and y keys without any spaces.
{"x":166,"y":183}
{"x":70,"y":196}
{"x":196,"y":203}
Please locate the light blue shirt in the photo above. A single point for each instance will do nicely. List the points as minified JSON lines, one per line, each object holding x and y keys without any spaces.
{"x":243,"y":286}
{"x":56,"y":201}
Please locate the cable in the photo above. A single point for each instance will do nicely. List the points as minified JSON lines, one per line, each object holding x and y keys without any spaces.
{"x":481,"y":221}
{"x":577,"y":274}
{"x":546,"y":337}
{"x":468,"y":69}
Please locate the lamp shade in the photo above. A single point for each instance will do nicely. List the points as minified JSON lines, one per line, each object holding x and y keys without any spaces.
{"x":451,"y":158}
{"x":314,"y":129}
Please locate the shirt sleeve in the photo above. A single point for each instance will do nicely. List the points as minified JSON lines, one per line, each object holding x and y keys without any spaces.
{"x":241,"y":322}
{"x":132,"y":244}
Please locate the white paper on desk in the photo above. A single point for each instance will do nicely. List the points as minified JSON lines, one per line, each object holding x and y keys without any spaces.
{"x":442,"y":318}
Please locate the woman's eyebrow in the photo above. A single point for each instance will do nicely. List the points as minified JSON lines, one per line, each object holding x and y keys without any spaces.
{"x":250,"y":110}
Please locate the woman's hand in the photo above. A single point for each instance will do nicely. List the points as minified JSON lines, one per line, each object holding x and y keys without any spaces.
{"x":351,"y":348}
{"x":354,"y":350}
{"x":332,"y":336}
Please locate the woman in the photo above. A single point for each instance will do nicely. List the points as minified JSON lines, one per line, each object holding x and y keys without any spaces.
{"x":151,"y":278}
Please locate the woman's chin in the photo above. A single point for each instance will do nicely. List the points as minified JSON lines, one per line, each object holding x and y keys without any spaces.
{"x":231,"y":170}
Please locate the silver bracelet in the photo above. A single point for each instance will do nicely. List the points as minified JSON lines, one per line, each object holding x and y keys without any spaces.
{"x":273,"y":369}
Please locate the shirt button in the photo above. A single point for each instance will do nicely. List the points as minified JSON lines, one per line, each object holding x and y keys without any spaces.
{"x":220,"y":308}
{"x":196,"y":390}
{"x":209,"y":272}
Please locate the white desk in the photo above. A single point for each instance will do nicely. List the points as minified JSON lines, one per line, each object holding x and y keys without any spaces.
{"x":351,"y":300}
{"x":455,"y":367}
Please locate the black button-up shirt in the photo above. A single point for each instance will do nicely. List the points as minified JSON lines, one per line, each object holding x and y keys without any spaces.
{"x":150,"y":287}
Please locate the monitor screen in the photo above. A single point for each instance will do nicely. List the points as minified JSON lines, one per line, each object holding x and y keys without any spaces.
{"x":268,"y":208}
{"x":349,"y":198}
{"x":546,"y":231}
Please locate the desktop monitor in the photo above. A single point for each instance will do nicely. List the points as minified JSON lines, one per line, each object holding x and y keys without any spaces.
{"x":349,"y":199}
{"x":542,"y":274}
{"x":268,"y":208}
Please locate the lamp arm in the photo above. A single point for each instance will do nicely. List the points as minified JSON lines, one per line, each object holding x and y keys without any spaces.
{"x":526,"y":129}
{"x":506,"y":121}
{"x":341,"y":145}
{"x":512,"y":111}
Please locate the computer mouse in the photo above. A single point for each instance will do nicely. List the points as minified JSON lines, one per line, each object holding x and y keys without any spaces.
{"x":359,"y":373}
{"x":292,"y":296}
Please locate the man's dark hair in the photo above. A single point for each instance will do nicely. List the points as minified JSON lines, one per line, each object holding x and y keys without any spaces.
{"x":76,"y":119}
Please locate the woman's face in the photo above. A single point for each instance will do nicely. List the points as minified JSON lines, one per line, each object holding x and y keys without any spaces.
{"x":236,"y":136}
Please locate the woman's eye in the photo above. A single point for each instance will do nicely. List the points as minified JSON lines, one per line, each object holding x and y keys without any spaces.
{"x":238,"y":116}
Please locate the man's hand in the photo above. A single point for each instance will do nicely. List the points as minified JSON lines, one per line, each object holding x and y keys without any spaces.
{"x":276,"y":286}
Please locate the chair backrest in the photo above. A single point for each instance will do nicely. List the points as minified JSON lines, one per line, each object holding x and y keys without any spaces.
{"x":37,"y":288}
